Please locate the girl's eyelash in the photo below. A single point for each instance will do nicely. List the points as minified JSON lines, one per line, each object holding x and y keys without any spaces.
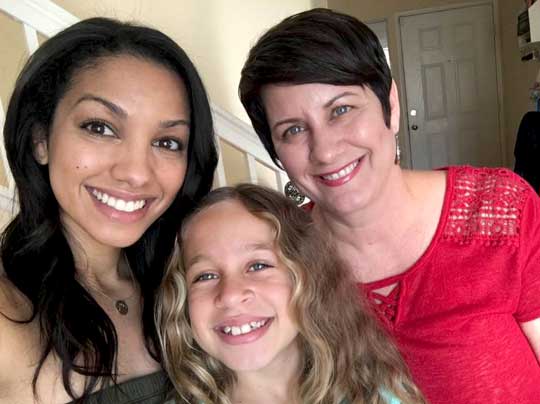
{"x":261,"y":265}
{"x":206,"y":276}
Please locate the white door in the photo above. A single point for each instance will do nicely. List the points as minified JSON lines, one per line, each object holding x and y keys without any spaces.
{"x":451,"y":87}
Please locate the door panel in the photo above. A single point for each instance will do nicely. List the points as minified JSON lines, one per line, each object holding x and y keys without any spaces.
{"x":451,"y":82}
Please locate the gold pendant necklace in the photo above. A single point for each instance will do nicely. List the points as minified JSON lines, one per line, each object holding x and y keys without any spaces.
{"x":120,"y":305}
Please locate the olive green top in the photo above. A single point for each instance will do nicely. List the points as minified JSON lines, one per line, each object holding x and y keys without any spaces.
{"x":148,"y":389}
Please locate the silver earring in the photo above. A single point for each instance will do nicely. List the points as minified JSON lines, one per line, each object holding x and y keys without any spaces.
{"x":397,"y":158}
{"x":293,"y":193}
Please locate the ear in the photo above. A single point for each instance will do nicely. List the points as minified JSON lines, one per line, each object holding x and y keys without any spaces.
{"x":39,"y":147}
{"x":394,"y":108}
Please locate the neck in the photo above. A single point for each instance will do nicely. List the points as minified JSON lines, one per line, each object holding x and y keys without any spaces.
{"x":374,"y":241}
{"x":275,"y":384}
{"x":94,"y":261}
{"x":377,"y":220}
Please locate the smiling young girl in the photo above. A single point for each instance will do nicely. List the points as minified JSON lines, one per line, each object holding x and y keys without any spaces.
{"x":256,"y":309}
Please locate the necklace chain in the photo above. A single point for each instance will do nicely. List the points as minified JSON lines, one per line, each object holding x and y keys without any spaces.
{"x":120,"y":305}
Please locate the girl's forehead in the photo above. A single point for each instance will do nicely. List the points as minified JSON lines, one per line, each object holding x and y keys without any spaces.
{"x":227,"y":223}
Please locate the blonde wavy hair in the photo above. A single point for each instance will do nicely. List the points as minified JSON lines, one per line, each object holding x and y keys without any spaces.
{"x":345,"y":355}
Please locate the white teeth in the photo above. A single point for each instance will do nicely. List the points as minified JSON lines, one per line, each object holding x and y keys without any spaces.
{"x":236,"y":331}
{"x":117,"y":203}
{"x":244,"y":328}
{"x":341,"y":173}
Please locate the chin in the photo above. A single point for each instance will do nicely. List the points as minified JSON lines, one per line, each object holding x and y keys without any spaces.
{"x":121,"y":242}
{"x":247,"y":364}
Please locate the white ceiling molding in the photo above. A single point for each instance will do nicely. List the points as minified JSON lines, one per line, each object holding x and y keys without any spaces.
{"x":42,"y":15}
{"x":237,"y":132}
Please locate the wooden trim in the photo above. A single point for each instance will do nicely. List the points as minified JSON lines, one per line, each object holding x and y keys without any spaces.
{"x":5,"y":192}
{"x":42,"y":15}
{"x":240,"y":134}
{"x":282,"y":180}
{"x":31,"y":38}
{"x":252,"y":168}
{"x":220,"y":169}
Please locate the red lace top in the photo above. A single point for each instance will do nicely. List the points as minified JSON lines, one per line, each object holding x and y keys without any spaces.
{"x":455,"y":314}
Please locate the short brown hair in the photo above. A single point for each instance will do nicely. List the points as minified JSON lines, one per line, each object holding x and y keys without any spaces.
{"x":315,"y":46}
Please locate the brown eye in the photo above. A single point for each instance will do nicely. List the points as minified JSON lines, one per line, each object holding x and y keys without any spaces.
{"x":98,"y":128}
{"x":169,"y":144}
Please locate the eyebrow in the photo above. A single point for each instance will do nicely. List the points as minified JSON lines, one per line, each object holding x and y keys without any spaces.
{"x":117,"y":110}
{"x":337,"y":97}
{"x":173,"y":123}
{"x":326,"y":105}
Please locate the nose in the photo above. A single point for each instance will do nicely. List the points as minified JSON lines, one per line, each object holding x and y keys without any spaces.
{"x":232,"y":292}
{"x":133,"y":162}
{"x":326,"y":144}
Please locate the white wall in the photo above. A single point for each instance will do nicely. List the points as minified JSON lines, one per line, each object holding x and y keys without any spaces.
{"x":216,"y":34}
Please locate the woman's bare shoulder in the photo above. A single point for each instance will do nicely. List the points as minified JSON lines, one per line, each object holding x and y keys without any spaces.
{"x":422,"y":182}
{"x":16,"y":339}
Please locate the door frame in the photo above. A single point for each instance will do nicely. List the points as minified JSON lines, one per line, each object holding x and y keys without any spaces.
{"x":399,"y":66}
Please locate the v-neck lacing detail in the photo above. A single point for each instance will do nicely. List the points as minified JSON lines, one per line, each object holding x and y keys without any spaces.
{"x":386,"y":306}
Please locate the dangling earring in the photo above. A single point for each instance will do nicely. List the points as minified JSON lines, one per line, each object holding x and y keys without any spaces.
{"x":397,"y":158}
{"x":293,"y":193}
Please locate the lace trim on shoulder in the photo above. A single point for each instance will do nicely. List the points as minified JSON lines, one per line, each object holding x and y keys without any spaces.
{"x":486,"y":205}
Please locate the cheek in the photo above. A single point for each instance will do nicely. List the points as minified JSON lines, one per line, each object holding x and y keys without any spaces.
{"x":70,"y":159}
{"x":292,"y":159}
{"x":198,"y":310}
{"x":281,"y":294}
{"x":172,"y":178}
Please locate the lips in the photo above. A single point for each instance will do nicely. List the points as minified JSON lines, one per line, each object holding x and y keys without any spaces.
{"x":120,"y":206}
{"x":244,"y":330}
{"x":343,"y":174}
{"x":118,"y":203}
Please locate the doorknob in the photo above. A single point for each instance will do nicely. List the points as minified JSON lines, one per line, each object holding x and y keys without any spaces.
{"x":414,"y":127}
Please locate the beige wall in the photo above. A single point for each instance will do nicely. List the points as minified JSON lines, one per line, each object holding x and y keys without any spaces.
{"x":217,"y":34}
{"x":13,"y":54}
{"x":517,"y":76}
